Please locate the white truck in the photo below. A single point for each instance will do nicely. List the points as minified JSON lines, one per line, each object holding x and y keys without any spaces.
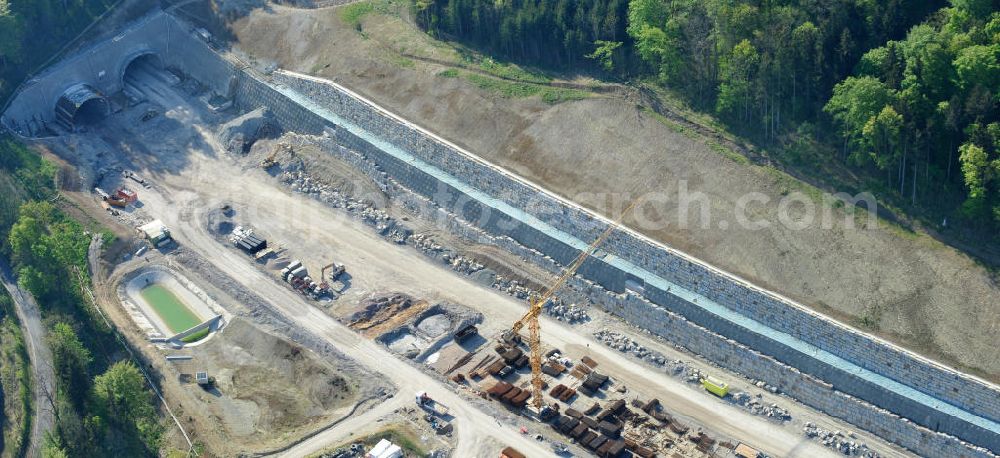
{"x":425,"y":402}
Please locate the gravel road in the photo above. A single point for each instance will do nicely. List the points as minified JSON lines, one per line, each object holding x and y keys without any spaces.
{"x":42,"y":373}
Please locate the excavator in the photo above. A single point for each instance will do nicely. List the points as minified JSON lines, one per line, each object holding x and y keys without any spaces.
{"x":270,"y":161}
{"x":537,"y":303}
{"x":338,"y":269}
{"x":324,"y":280}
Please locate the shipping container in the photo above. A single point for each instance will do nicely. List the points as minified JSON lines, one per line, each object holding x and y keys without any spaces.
{"x":715,"y":386}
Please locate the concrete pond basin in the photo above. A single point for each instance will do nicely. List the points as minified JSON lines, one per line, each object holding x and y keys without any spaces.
{"x":169,"y":307}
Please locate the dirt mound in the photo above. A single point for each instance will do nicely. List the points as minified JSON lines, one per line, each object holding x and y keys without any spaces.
{"x":240,"y":134}
{"x":267,"y":386}
{"x":435,"y":325}
{"x":385,"y":313}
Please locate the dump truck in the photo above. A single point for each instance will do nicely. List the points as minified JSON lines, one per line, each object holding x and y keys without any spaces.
{"x":425,"y":402}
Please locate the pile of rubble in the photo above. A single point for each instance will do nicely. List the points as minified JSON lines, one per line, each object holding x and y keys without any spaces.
{"x":756,"y":406}
{"x":693,"y":374}
{"x":511,"y":286}
{"x":625,"y":344}
{"x":845,"y":443}
{"x":354,"y":450}
{"x":302,"y":182}
{"x":689,"y":373}
{"x":462,"y":264}
{"x":765,"y":386}
{"x":425,"y":243}
{"x":399,"y":234}
{"x":571,"y":314}
{"x":373,"y":216}
{"x":384,"y":224}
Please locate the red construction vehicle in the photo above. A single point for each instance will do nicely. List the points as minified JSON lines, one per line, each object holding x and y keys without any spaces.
{"x":126,"y":194}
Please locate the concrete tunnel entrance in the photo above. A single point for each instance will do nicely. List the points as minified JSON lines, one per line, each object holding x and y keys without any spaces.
{"x":81,"y":105}
{"x":138,"y":69}
{"x":139,"y":66}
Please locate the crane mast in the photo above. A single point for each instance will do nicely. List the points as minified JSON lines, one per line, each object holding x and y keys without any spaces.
{"x":537,"y":302}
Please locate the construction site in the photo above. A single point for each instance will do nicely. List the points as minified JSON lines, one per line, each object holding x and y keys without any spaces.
{"x":314,"y":275}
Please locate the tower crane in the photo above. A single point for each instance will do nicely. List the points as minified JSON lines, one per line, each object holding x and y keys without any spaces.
{"x":537,"y":302}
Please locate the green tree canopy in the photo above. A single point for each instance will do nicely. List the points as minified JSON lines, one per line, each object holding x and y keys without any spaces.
{"x":978,"y":65}
{"x":855,"y":101}
{"x":71,"y":361}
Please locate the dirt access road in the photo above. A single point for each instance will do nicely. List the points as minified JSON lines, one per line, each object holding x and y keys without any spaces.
{"x":43,"y":375}
{"x":374,"y":261}
{"x":194,"y":175}
{"x":189,"y":171}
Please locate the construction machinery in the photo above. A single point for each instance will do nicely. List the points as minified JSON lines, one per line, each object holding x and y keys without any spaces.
{"x":270,"y":161}
{"x":537,"y":303}
{"x":121,"y":197}
{"x":425,"y":402}
{"x":297,"y":276}
{"x":338,"y":270}
{"x":324,"y":280}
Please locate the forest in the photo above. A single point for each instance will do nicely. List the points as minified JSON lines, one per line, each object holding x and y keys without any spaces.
{"x":903,"y":92}
{"x":103,"y":406}
{"x":31,"y":31}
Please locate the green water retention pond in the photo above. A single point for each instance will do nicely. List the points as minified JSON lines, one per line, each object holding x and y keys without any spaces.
{"x":174,"y":313}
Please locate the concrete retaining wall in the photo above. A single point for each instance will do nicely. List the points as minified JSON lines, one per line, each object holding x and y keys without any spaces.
{"x":212,"y":323}
{"x":252,"y":93}
{"x":889,"y":377}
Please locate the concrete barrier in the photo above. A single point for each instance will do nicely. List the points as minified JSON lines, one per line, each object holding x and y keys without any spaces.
{"x":211,"y":324}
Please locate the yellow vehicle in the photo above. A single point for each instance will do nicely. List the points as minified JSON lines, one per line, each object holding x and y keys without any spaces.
{"x":715,"y":386}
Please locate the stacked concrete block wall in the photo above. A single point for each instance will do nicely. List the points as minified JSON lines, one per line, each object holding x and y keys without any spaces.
{"x":953,"y":387}
{"x":252,"y":93}
{"x":736,"y":357}
{"x":786,"y":317}
{"x":723,"y":351}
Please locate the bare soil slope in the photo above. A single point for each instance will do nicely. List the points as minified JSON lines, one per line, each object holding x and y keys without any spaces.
{"x":907,"y":287}
{"x":268,"y":387}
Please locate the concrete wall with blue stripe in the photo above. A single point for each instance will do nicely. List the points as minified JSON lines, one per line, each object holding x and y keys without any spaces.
{"x":965,"y":393}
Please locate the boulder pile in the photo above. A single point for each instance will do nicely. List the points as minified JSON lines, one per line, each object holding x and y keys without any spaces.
{"x":845,"y":443}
